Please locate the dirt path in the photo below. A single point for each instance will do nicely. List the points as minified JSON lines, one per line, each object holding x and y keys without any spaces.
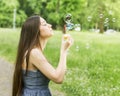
{"x":6,"y":70}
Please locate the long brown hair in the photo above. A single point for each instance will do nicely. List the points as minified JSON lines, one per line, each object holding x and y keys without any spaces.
{"x":29,"y":38}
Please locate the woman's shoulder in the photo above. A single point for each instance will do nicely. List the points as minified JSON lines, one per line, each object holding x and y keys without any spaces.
{"x":36,"y":53}
{"x":36,"y":57}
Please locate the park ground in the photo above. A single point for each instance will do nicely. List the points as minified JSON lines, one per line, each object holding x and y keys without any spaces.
{"x":93,"y":63}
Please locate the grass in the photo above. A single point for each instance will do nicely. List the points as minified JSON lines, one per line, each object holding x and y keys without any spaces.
{"x":93,"y":61}
{"x":8,"y":43}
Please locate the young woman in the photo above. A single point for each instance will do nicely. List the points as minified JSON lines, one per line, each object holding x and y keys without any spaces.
{"x":32,"y":70}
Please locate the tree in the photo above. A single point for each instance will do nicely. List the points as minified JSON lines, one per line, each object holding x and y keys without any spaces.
{"x":59,"y":8}
{"x":103,"y":14}
{"x":6,"y":10}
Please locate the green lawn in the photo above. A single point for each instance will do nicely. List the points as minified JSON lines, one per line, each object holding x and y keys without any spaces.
{"x":93,"y":61}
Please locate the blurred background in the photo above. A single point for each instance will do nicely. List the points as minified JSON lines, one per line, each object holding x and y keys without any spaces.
{"x":94,"y":59}
{"x":90,"y":14}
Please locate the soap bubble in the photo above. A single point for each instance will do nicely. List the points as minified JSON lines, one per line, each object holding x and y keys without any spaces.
{"x":68,"y":18}
{"x":68,"y":21}
{"x":77,"y":48}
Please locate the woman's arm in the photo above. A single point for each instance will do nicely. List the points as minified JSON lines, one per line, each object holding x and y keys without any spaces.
{"x":56,"y":75}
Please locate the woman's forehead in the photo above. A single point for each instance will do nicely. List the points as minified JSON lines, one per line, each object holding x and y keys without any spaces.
{"x":42,"y":20}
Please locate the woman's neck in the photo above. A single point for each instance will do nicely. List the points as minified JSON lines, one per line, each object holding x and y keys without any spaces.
{"x":43,"y":42}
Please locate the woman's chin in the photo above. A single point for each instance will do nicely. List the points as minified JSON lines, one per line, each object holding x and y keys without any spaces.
{"x":51,"y":33}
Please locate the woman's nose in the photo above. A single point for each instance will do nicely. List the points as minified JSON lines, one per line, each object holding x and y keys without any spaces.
{"x":49,"y":25}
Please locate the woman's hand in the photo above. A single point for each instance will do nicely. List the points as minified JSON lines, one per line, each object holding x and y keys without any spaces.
{"x":67,"y":41}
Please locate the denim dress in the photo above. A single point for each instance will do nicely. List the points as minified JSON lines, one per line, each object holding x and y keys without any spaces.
{"x":35,"y":84}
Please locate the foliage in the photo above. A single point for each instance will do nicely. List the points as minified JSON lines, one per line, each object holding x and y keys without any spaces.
{"x":109,"y":11}
{"x":54,"y":12}
{"x":61,"y":8}
{"x":30,"y":6}
{"x":6,"y":16}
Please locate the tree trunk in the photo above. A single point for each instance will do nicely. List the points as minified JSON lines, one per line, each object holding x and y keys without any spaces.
{"x":57,"y":6}
{"x":101,"y":18}
{"x":101,"y":25}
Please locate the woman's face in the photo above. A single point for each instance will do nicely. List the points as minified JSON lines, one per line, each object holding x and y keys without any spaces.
{"x":45,"y":29}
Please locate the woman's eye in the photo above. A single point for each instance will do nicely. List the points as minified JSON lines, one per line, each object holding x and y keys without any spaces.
{"x":45,"y":24}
